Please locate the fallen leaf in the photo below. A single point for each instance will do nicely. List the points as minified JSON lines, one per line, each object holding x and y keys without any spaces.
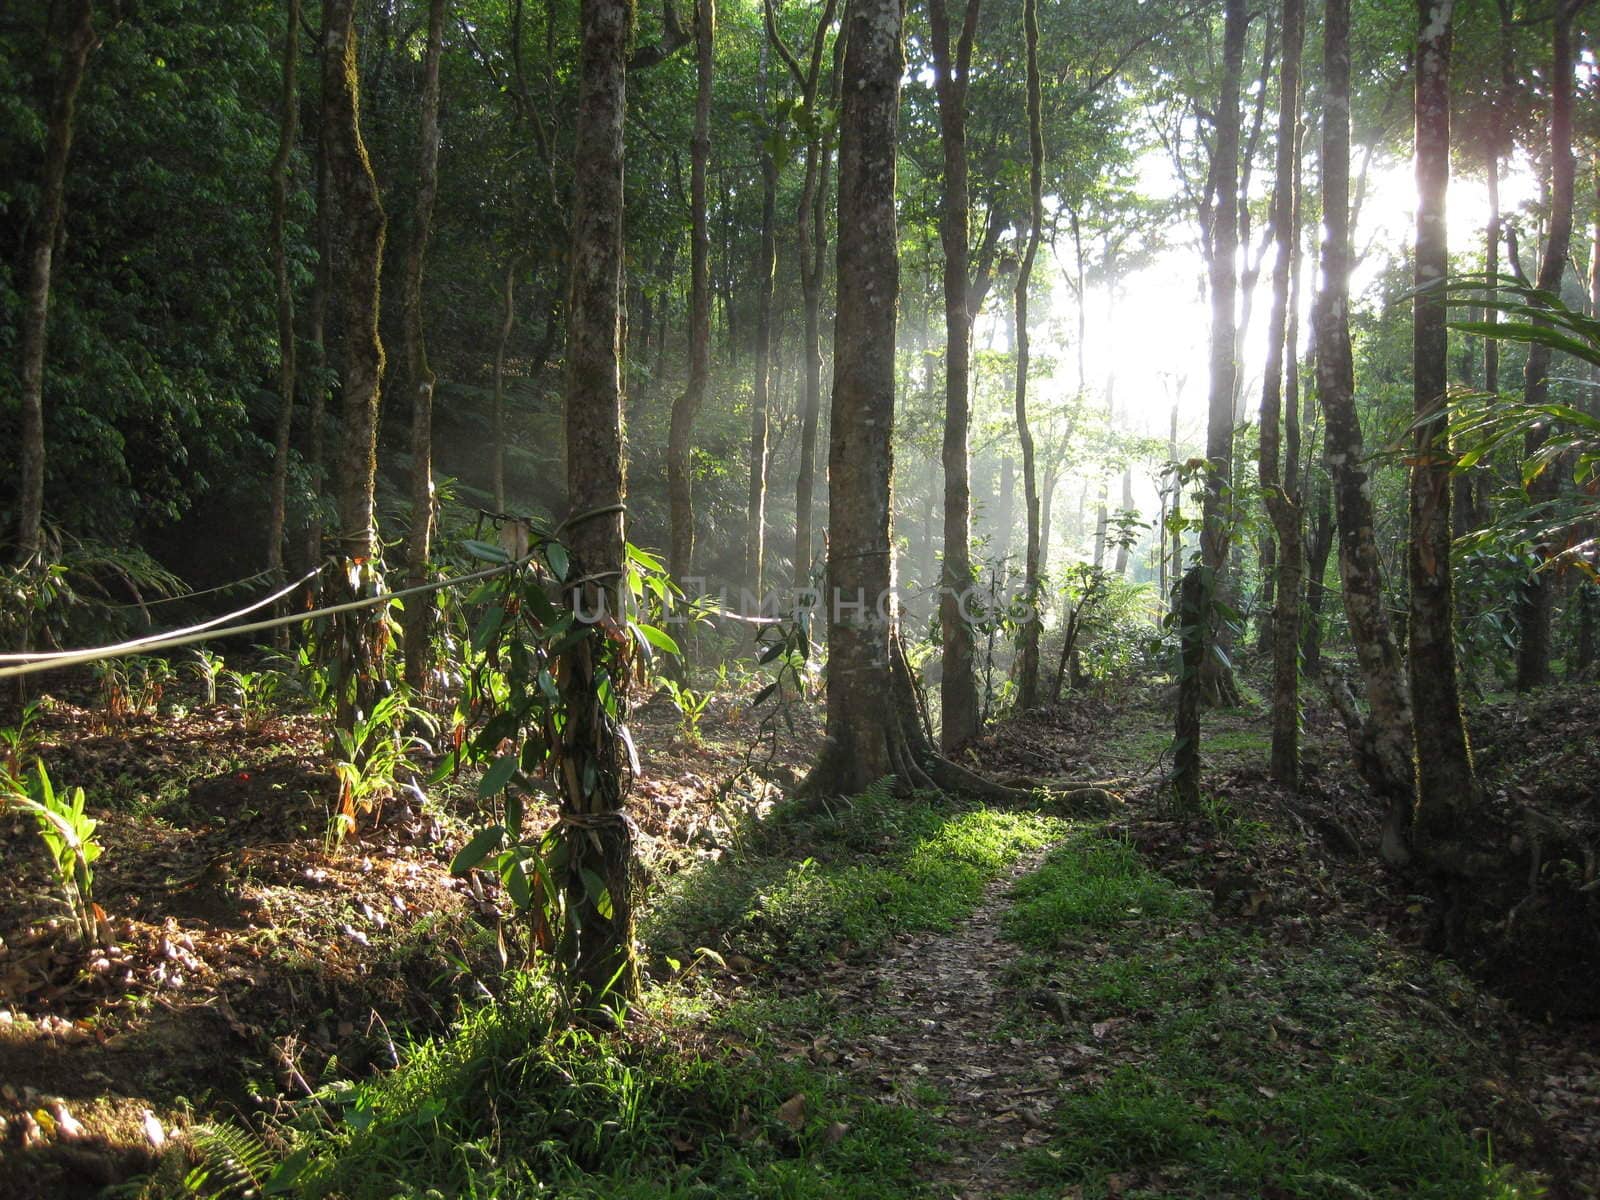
{"x":792,"y":1112}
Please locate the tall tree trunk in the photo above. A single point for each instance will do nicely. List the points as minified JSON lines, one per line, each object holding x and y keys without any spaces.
{"x":958,"y":688}
{"x":1123,"y":547}
{"x":1033,"y":622}
{"x":1537,"y":598}
{"x":598,"y":836}
{"x":1385,"y":757}
{"x":766,"y":267}
{"x":40,"y":243}
{"x":1446,"y":786}
{"x":497,"y":415}
{"x":1218,"y":502}
{"x":317,"y":341}
{"x":1281,"y":493}
{"x":680,"y":466}
{"x":1583,"y":657}
{"x":811,"y":253}
{"x":420,"y":379}
{"x":1321,"y":546}
{"x":363,"y":228}
{"x":865,"y":740}
{"x":288,"y":126}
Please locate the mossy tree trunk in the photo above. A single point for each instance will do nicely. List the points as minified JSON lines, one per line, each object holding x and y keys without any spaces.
{"x":362,"y":228}
{"x":599,"y":836}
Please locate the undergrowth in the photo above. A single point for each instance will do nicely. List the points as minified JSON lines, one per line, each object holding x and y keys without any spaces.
{"x":696,"y":1096}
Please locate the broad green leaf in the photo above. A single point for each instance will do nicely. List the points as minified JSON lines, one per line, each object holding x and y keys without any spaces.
{"x":481,"y":845}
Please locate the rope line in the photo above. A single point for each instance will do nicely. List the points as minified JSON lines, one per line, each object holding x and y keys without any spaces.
{"x":187,"y":638}
{"x":129,"y":647}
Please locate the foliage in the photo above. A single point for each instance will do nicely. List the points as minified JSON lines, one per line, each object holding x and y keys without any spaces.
{"x":68,"y":834}
{"x":525,"y":628}
{"x":254,"y":691}
{"x":367,"y":758}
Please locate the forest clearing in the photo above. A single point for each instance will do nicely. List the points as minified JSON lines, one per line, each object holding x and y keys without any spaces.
{"x":636,"y":602}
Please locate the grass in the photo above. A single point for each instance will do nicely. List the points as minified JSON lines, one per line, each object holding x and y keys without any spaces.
{"x":512,"y":1104}
{"x":696,"y":1097}
{"x":1240,"y":1067}
{"x":814,"y":887}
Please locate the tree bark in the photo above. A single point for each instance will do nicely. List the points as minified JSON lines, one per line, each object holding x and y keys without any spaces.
{"x":1386,"y":740}
{"x":1280,"y":488}
{"x":865,"y":741}
{"x":958,"y":688}
{"x":317,"y":343}
{"x":811,"y":253}
{"x":1217,"y":509}
{"x":1446,"y":785}
{"x":766,"y":266}
{"x":1537,"y":599}
{"x":680,"y":466}
{"x":288,"y":126}
{"x":363,"y":228}
{"x":39,"y":251}
{"x":1033,"y":621}
{"x":1121,"y":565}
{"x":599,"y":836}
{"x":420,"y":380}
{"x":497,"y":415}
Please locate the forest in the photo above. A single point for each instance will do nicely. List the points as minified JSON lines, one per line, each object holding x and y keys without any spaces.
{"x":800,"y":598}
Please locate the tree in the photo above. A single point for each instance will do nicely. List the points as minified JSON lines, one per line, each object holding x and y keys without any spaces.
{"x":766,"y":267}
{"x":1028,"y":656}
{"x":599,"y":838}
{"x":1385,"y":739}
{"x":1445,"y":781}
{"x":1222,"y":246}
{"x":363,"y":228}
{"x":73,"y":50}
{"x":1281,"y":487}
{"x":288,"y":129}
{"x":680,"y":468}
{"x":865,"y":736}
{"x":1537,"y":598}
{"x":958,"y":688}
{"x":420,"y":379}
{"x":811,"y":247}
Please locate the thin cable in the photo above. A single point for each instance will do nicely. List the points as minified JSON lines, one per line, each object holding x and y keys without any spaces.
{"x":172,"y":642}
{"x":210,"y":591}
{"x":151,"y":639}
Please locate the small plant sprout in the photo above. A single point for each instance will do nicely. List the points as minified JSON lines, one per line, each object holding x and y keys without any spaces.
{"x":68,"y":834}
{"x":206,"y":666}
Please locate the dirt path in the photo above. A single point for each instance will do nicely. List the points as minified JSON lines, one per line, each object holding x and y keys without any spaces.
{"x":937,"y":1001}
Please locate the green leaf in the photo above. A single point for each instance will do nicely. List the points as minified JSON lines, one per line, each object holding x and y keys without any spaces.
{"x":658,"y":638}
{"x":556,"y":555}
{"x":477,"y":849}
{"x":487,"y":551}
{"x":498,"y":775}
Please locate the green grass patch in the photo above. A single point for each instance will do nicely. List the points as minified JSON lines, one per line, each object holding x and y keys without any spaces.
{"x":813,"y":886}
{"x":511,"y":1104}
{"x":1239,"y":1066}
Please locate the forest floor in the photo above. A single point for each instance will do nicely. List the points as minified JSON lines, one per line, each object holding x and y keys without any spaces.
{"x":891,"y":996}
